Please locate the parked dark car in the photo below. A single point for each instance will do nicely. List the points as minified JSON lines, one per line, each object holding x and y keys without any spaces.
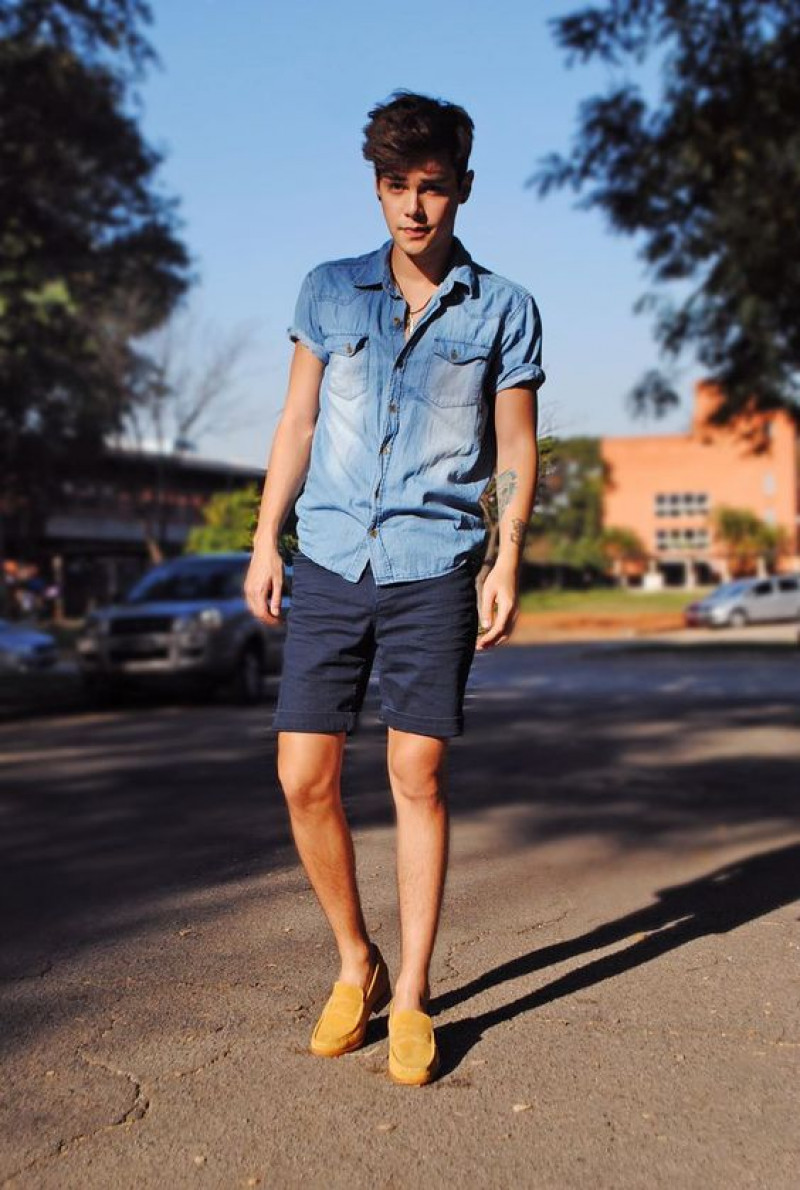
{"x":185,"y":619}
{"x":747,"y":601}
{"x":24,"y":649}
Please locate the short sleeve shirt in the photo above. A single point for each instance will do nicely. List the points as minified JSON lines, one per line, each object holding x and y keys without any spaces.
{"x":404,"y":444}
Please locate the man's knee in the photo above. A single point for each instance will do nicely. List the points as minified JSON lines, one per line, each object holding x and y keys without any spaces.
{"x":416,"y":767}
{"x":309,"y":768}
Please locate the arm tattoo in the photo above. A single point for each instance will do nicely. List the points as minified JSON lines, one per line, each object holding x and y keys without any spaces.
{"x":518,"y":531}
{"x":506,"y":487}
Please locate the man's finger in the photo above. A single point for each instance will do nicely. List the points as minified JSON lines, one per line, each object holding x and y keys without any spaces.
{"x":487,"y":610}
{"x":497,"y":630}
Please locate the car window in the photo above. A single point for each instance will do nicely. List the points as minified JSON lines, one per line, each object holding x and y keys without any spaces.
{"x":762,"y":588}
{"x":728,"y":591}
{"x":190,"y":583}
{"x":788,"y":584}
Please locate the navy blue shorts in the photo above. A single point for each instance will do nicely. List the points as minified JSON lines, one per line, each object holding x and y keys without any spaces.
{"x":421,"y":633}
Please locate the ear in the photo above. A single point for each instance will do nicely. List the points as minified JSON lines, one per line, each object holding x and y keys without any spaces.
{"x":465,"y":189}
{"x":377,"y":186}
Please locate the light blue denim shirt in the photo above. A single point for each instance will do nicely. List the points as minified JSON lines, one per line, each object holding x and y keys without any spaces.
{"x":404,"y":445}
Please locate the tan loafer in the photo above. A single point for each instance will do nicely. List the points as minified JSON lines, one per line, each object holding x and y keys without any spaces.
{"x":342,"y":1026}
{"x":413,"y":1053}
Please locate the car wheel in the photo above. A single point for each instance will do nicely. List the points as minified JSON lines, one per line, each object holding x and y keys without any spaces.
{"x":737,"y":619}
{"x":248,"y":679}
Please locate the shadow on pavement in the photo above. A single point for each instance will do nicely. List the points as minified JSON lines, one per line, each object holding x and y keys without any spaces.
{"x":721,"y":901}
{"x":109,"y":818}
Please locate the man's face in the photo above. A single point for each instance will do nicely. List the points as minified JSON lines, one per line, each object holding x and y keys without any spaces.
{"x":420,"y":205}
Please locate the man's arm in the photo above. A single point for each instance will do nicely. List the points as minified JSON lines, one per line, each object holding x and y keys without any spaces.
{"x":515,"y":422}
{"x":286,"y":470}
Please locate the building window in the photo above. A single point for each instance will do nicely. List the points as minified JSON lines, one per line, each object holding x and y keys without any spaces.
{"x":681,"y":504}
{"x":682,"y":539}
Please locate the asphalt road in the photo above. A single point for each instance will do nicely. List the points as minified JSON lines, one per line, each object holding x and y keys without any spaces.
{"x":615,"y":983}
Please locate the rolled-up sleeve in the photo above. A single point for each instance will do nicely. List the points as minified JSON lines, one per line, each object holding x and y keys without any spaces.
{"x":305,"y":328}
{"x":519,"y":360}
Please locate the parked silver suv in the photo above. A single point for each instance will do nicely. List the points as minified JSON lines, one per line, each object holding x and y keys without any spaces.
{"x":186,"y":618}
{"x":747,"y":601}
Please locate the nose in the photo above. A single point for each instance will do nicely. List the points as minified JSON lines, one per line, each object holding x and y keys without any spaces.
{"x":414,"y":208}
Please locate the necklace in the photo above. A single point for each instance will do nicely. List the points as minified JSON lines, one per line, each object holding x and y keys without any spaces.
{"x":410,"y":314}
{"x":410,"y":317}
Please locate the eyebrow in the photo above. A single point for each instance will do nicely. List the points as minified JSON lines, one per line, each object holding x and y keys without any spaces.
{"x":439,"y":178}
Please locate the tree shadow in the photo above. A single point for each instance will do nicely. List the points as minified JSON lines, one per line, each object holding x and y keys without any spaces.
{"x":112,"y":822}
{"x":716,"y":903}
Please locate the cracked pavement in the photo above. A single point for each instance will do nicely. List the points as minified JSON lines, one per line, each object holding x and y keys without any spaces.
{"x":615,"y":984}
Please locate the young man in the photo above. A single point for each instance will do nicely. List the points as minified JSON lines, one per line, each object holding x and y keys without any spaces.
{"x":414,"y":377}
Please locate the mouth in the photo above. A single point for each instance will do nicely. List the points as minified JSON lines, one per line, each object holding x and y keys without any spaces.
{"x":415,"y":232}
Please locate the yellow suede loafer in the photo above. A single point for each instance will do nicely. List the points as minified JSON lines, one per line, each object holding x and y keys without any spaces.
{"x":342,"y":1025}
{"x":413,"y":1053}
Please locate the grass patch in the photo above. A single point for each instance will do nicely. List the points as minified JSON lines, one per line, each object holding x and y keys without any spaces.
{"x":606,"y":600}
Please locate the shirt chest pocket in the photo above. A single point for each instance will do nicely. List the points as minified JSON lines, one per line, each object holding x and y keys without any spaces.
{"x":347,"y":371}
{"x":456,"y":372}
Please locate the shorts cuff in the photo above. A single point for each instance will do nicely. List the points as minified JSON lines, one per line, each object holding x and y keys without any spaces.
{"x":422,"y":724}
{"x":314,"y":721}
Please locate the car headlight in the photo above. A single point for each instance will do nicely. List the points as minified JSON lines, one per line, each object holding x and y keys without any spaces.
{"x":194,"y":628}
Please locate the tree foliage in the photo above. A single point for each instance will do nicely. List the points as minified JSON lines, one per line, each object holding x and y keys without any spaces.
{"x":622,"y":550}
{"x":707,"y":177}
{"x":566,"y":529}
{"x":229,"y":521}
{"x":747,"y":538}
{"x":90,"y":255}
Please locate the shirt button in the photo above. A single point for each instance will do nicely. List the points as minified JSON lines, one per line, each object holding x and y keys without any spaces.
{"x":398,"y":321}
{"x":453,"y":354}
{"x":393,"y":407}
{"x":373,"y":532}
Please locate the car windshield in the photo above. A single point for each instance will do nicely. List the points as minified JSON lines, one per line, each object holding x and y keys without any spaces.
{"x":188,"y":583}
{"x":729,"y":591}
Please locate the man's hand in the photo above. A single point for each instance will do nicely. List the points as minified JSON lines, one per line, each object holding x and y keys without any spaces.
{"x":500,"y":588}
{"x":264,"y":583}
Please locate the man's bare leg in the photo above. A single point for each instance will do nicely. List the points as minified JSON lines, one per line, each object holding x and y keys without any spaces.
{"x":309,"y":770}
{"x":416,"y":766}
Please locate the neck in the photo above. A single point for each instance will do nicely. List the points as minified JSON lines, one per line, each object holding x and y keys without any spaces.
{"x":431,"y":268}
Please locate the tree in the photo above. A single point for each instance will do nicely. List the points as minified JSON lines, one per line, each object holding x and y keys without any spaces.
{"x":229,"y":521}
{"x":193,"y":389}
{"x":622,"y":550}
{"x":195,"y":372}
{"x":90,"y":257}
{"x":707,"y":177}
{"x":568,"y":522}
{"x":750,"y":543}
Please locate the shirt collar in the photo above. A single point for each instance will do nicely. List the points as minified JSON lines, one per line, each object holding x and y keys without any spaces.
{"x":374,"y":271}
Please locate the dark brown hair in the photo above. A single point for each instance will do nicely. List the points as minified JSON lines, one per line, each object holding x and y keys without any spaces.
{"x":409,"y":127}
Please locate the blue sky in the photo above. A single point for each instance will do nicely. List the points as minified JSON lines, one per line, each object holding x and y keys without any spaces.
{"x":259,"y":107}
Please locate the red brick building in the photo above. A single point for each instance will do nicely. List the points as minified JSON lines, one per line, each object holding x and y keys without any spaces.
{"x":665,"y":488}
